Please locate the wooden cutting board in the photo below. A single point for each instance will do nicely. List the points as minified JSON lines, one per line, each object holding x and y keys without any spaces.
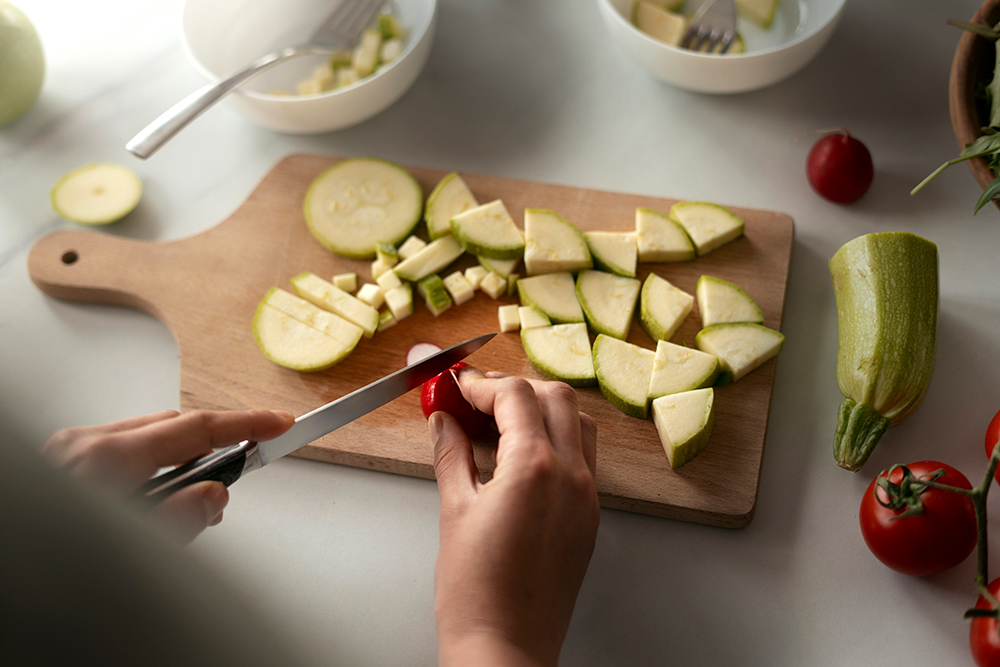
{"x":206,"y":288}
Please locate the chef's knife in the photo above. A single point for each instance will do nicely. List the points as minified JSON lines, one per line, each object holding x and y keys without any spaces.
{"x":229,"y":464}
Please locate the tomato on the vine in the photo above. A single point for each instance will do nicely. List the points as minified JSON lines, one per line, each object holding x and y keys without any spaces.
{"x":992,"y":436}
{"x":984,"y":632}
{"x":937,"y":537}
{"x":441,"y":393}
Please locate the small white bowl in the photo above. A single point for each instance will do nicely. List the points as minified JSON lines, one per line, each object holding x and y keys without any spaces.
{"x":222,"y":36}
{"x":800,"y":30}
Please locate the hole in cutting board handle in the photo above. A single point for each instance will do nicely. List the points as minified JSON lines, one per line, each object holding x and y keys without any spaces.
{"x":70,"y":257}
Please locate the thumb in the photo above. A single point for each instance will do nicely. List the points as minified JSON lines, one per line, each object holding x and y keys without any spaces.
{"x":192,"y":509}
{"x":454,"y":464}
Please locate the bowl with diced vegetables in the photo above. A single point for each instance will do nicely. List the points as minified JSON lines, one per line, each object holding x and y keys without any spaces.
{"x":775,"y":39}
{"x":313,"y":93}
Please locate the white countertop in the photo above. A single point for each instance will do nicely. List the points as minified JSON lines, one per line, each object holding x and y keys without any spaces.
{"x":535,"y":91}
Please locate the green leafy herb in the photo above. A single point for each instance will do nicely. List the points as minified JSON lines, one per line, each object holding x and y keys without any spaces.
{"x":991,"y":191}
{"x":988,"y":144}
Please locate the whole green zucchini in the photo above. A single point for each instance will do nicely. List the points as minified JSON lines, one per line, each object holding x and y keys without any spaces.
{"x":886,"y":286}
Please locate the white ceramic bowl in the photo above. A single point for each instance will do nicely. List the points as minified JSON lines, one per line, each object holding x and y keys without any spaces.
{"x":222,"y":36}
{"x":800,"y":30}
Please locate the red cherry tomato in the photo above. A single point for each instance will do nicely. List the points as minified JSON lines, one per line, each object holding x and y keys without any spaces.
{"x":840,"y":168}
{"x":939,"y":538}
{"x":441,"y":394}
{"x":992,"y":436}
{"x":984,"y":637}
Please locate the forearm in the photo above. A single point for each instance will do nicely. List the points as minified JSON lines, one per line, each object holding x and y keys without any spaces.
{"x":485,"y":649}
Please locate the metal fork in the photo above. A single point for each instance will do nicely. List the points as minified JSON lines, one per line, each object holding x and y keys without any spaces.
{"x":713,"y":25}
{"x":340,"y":30}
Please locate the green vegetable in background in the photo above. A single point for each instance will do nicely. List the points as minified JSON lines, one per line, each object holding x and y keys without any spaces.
{"x":987,"y":145}
{"x":886,"y":287}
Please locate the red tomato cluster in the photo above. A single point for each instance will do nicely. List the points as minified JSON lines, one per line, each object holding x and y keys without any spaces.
{"x":937,"y":532}
{"x":442,"y":394}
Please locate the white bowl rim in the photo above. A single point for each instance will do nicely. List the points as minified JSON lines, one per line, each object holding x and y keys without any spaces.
{"x":416,"y":35}
{"x":838,"y":8}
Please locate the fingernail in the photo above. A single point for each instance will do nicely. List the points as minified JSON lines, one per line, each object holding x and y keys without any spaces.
{"x":496,"y":375}
{"x":436,"y":423}
{"x":284,"y":414}
{"x":214,"y":500}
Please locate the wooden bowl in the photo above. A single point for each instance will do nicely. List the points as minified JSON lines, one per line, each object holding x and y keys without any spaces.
{"x":974,"y":60}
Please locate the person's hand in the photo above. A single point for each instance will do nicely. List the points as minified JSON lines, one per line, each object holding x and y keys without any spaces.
{"x":514,"y":551}
{"x":122,"y":455}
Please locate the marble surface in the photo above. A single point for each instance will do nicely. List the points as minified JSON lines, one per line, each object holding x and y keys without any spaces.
{"x":344,"y":558}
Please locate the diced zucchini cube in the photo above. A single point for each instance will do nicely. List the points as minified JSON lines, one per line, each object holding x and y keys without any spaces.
{"x":388,"y":280}
{"x":346,"y":76}
{"x":390,"y":50}
{"x":390,"y":27}
{"x":323,"y":74}
{"x":494,"y":285}
{"x":385,"y":320}
{"x":372,"y":294}
{"x":410,"y":247}
{"x":365,"y":56}
{"x":378,"y":268}
{"x":512,"y":284}
{"x":400,"y":301}
{"x":475,"y":275}
{"x":509,"y":319}
{"x":428,"y":284}
{"x":346,"y":281}
{"x":386,"y":253}
{"x":459,"y":288}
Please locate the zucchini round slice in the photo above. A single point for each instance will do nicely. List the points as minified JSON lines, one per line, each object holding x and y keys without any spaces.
{"x":357,"y":203}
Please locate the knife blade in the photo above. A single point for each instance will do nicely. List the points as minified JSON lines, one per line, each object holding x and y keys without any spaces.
{"x":230,"y":463}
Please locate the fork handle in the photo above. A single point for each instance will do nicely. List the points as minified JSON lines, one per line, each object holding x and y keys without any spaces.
{"x":176,"y":118}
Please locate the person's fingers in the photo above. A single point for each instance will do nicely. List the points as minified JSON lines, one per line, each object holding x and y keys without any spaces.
{"x":454,"y":463}
{"x":513,"y":404}
{"x":192,"y":509}
{"x":562,"y":418}
{"x":588,"y":437}
{"x":62,"y":445}
{"x":181,"y":439}
{"x":132,"y":422}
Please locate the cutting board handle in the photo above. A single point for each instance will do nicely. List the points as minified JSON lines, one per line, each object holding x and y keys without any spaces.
{"x":97,"y":267}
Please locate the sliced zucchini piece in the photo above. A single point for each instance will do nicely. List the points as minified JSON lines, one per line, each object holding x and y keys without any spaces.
{"x":296,"y":334}
{"x":561,"y":352}
{"x":356,"y":203}
{"x":709,"y":225}
{"x":660,"y":239}
{"x":614,"y":252}
{"x":329,"y":297}
{"x":659,"y":23}
{"x":97,"y":194}
{"x":552,"y":293}
{"x":488,"y":231}
{"x":721,"y":301}
{"x":501,"y":267}
{"x":677,"y":368}
{"x":450,"y":197}
{"x":663,"y":307}
{"x":740,"y":346}
{"x":684,"y":423}
{"x":433,"y":257}
{"x":608,"y":301}
{"x":623,"y":371}
{"x":553,"y":244}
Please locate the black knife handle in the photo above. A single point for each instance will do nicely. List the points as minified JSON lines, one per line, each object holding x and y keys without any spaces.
{"x":225,"y":465}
